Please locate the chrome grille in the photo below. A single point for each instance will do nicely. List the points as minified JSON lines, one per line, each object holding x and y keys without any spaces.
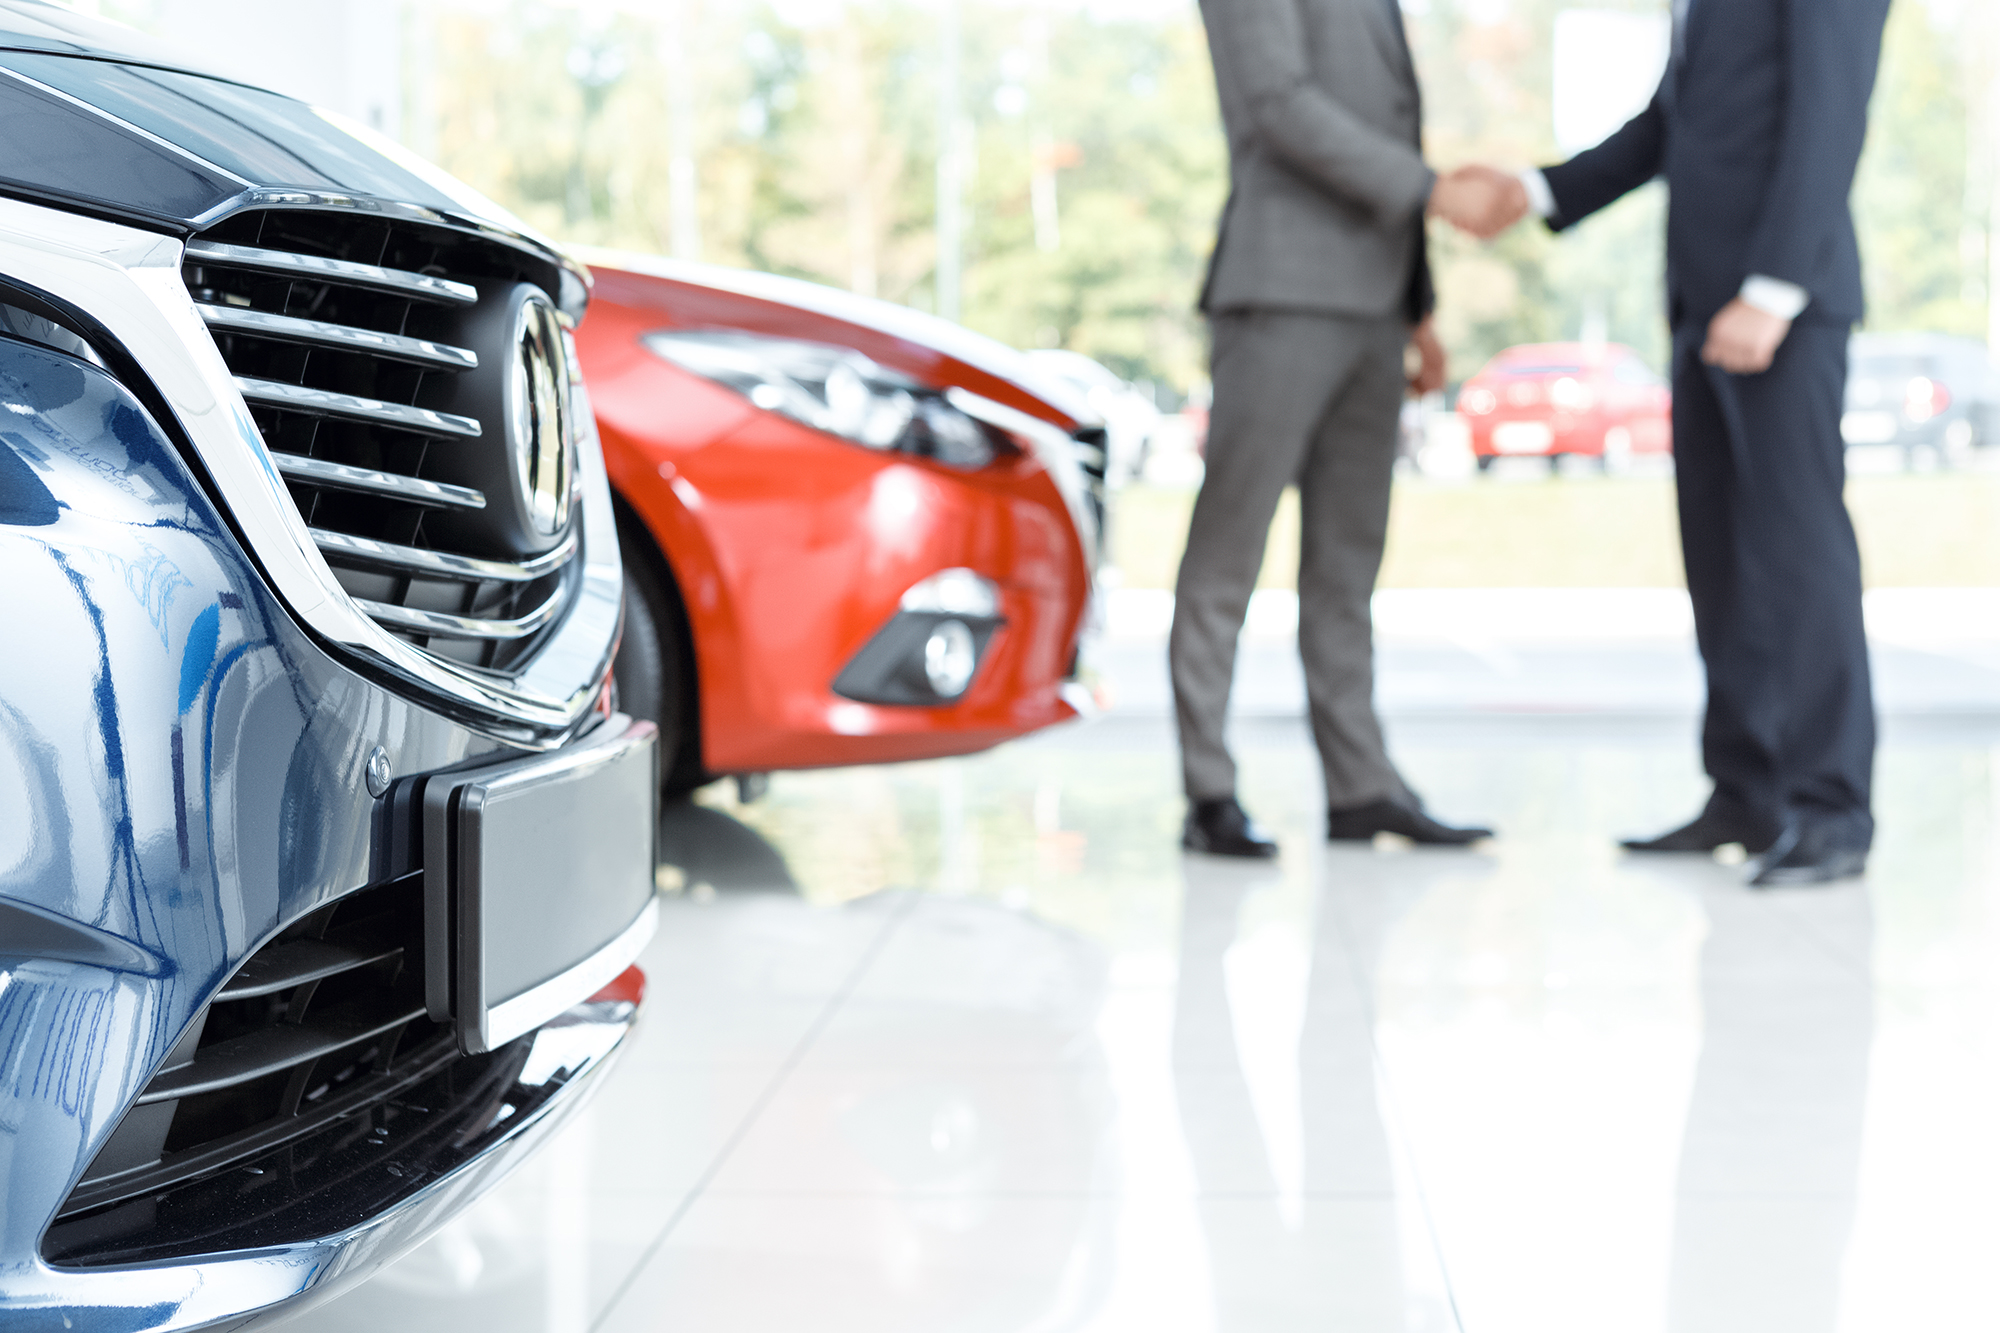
{"x":374,"y":355}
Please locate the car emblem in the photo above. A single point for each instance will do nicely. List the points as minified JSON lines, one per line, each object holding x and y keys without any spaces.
{"x":538,"y":415}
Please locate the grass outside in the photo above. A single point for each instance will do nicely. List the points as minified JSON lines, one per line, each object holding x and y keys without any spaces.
{"x":1926,"y":530}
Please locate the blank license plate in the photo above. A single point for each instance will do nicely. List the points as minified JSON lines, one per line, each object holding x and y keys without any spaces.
{"x":1522,"y":437}
{"x":1868,"y":427}
{"x":538,"y":876}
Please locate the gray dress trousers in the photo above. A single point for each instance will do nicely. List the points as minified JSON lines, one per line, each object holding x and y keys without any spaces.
{"x":1312,"y":399}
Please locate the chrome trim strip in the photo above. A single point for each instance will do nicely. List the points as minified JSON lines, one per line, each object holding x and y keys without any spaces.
{"x":443,"y":564}
{"x":529,"y":1010}
{"x":130,"y":281}
{"x":443,"y":625}
{"x":344,"y":337}
{"x":312,"y":268}
{"x":416,"y":490}
{"x":325,"y":403}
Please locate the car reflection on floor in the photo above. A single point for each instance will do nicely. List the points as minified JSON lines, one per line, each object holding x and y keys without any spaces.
{"x":705,"y":849}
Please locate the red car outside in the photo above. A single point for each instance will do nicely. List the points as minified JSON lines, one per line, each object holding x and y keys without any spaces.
{"x":1550,"y":400}
{"x":853,"y":533}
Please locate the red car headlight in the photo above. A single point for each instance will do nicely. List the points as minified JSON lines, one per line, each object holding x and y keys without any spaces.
{"x":1477,"y":402}
{"x":837,"y":390}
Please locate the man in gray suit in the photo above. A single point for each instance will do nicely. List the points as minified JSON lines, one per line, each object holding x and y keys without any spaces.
{"x":1318,"y":284}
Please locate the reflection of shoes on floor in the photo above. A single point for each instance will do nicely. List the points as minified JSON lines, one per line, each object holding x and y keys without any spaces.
{"x":1220,"y":828}
{"x":1809,"y":854}
{"x":1720,"y":823}
{"x":1363,"y":822}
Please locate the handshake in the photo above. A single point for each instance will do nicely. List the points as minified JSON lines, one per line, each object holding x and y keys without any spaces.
{"x":1480,"y":200}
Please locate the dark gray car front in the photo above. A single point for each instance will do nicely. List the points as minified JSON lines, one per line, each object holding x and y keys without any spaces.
{"x":314,"y":588}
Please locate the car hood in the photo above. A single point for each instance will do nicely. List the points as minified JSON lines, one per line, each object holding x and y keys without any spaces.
{"x":108,"y":121}
{"x":942,"y":336}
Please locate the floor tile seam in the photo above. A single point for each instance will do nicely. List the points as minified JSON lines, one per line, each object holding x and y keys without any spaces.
{"x":966,"y":1196}
{"x":948,"y":1065}
{"x":683,"y":1064}
{"x":898,"y":913}
{"x":1358,"y":976}
{"x":1739,"y":1196}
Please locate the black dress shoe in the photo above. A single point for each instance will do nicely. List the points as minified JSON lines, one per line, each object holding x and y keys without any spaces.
{"x":1220,"y":828}
{"x":1720,"y":823}
{"x":1809,"y":854}
{"x":1363,"y":822}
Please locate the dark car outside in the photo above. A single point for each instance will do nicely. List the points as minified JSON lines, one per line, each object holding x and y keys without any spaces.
{"x":325,"y":855}
{"x":1921,"y":392}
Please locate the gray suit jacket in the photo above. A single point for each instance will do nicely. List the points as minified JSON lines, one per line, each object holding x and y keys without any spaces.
{"x":1327,"y":177}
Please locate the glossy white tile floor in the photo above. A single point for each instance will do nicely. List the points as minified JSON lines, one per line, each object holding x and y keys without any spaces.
{"x":971,"y":1046}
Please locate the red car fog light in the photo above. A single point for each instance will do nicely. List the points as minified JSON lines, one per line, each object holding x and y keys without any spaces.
{"x":930,"y":651}
{"x":950,"y":658}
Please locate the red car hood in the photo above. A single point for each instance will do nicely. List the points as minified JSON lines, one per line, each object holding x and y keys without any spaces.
{"x":941,"y":337}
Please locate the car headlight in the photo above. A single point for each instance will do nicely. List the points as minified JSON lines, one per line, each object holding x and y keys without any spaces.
{"x":837,"y":390}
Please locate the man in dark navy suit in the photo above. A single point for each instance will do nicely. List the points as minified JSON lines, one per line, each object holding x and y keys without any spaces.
{"x":1757,"y":127}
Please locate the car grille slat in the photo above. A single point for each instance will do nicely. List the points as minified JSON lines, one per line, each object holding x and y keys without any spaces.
{"x":448,"y":626}
{"x":327,"y":1017}
{"x":377,"y":357}
{"x":313,"y":268}
{"x":282,"y":966}
{"x":413,"y":489}
{"x":440,"y":564}
{"x":325,"y":403}
{"x":319,"y":333}
{"x":246,"y":1059}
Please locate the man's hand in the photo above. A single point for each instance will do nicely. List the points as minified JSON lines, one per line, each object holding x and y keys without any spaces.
{"x":1742,"y":339}
{"x":1431,"y":362}
{"x":1482,"y":200}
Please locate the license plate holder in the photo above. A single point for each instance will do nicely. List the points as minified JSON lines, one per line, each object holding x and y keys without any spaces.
{"x":1522,"y":437}
{"x":1868,"y":427}
{"x":538,"y":881}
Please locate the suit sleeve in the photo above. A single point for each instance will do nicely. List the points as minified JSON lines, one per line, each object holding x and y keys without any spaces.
{"x":1262,"y":43}
{"x":1832,"y":48}
{"x":1622,"y":163}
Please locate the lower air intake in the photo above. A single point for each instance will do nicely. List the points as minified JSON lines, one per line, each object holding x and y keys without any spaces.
{"x":323,"y":1025}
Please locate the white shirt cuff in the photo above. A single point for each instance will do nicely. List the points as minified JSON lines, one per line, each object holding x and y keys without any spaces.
{"x":1540,"y":197}
{"x":1775,"y":296}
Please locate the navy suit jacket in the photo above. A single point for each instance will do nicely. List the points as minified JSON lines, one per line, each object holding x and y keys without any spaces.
{"x":1757,"y":128}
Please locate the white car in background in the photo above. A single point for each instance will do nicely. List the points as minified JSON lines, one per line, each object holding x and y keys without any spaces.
{"x":1130,"y":417}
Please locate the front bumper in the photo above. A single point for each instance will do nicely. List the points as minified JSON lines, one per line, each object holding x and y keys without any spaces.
{"x":432,"y":1173}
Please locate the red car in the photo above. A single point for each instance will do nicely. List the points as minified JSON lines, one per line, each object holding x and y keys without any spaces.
{"x":1548,"y":400}
{"x":853,"y":533}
